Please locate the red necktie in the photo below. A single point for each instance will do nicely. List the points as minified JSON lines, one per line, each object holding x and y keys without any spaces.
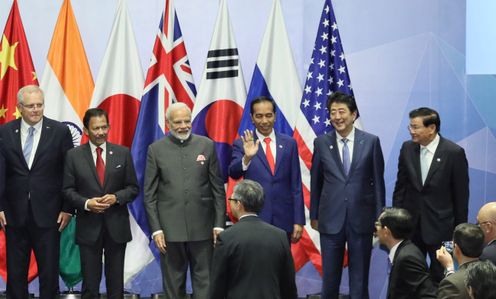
{"x":268,"y":154}
{"x":100,"y":166}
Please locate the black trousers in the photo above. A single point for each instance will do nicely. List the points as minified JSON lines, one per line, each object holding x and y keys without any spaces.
{"x":91,"y":267}
{"x":45,"y":242}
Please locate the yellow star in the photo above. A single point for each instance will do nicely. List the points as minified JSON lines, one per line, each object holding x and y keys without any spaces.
{"x":17,"y":113}
{"x":34,"y":76}
{"x":7,"y":56}
{"x":3,"y":110}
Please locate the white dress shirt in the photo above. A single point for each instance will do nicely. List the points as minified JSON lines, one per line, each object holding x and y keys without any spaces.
{"x":350,"y":143}
{"x":431,"y":149}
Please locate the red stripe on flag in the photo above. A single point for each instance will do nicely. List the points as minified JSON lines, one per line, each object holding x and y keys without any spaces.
{"x":303,"y":150}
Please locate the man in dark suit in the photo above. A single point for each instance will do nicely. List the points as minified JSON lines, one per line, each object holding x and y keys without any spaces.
{"x":272,"y":160}
{"x":486,"y":219}
{"x":468,"y":241}
{"x":32,"y":209}
{"x":185,"y":203}
{"x":432,"y":184}
{"x":347,"y":195}
{"x":252,"y":259}
{"x":408,"y":277}
{"x":99,"y":182}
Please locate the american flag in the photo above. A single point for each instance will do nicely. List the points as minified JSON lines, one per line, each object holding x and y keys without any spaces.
{"x":169,"y":80}
{"x":327,"y":73}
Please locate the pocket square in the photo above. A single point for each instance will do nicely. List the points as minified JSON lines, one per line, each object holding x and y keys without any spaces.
{"x":201,"y":158}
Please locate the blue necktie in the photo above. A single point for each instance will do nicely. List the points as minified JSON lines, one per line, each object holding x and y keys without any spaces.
{"x":28,"y":145}
{"x":424,"y":163}
{"x":346,"y":156}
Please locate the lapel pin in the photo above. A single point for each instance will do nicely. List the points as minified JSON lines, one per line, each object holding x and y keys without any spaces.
{"x":202,"y":162}
{"x":331,"y":147}
{"x":111,"y":152}
{"x":280,"y":146}
{"x":17,"y":131}
{"x":438,"y":160}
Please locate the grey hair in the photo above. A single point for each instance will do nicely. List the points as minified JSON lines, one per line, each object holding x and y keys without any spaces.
{"x":250,"y":194}
{"x":175,"y":106}
{"x":29,"y":89}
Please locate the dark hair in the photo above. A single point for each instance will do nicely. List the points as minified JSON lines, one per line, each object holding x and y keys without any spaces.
{"x":481,"y":278}
{"x":470,"y":239}
{"x":342,"y":98}
{"x":260,"y":100}
{"x":250,"y":194}
{"x":429,"y":117}
{"x":93,"y":112}
{"x":398,"y":221}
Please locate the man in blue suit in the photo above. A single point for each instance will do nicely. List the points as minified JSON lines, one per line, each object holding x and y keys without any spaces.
{"x":347,"y":195}
{"x":271,"y":159}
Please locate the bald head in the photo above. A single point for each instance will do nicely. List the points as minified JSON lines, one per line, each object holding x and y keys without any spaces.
{"x":487,"y":221}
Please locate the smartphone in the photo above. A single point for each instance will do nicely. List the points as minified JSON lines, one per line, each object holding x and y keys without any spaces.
{"x":449,"y":246}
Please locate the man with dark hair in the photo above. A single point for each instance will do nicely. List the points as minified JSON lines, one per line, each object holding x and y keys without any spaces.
{"x":185,"y":204}
{"x":99,"y":182}
{"x":432,"y":184}
{"x":468,"y":241}
{"x":481,"y":279}
{"x":252,"y":259}
{"x":486,"y":219}
{"x":32,"y":210}
{"x":272,"y":160}
{"x":409,"y":277}
{"x":347,"y":195}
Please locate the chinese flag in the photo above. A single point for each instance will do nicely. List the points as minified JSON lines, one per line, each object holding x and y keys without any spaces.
{"x":16,"y":71}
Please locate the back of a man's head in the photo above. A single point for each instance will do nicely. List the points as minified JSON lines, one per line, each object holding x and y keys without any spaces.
{"x":398,"y":221}
{"x":250,"y":194}
{"x":469,"y":238}
{"x":481,"y":280}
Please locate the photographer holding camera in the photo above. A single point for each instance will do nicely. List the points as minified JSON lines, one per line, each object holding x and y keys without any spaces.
{"x":468,"y":242}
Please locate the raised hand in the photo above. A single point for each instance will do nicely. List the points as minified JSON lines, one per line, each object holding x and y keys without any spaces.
{"x":250,"y":146}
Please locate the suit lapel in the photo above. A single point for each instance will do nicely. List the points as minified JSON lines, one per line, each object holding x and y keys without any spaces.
{"x":280,"y":148}
{"x":436,"y":160}
{"x":89,"y":159}
{"x":109,"y":162}
{"x":358,"y":145}
{"x":262,"y":157}
{"x":333,"y":147}
{"x":45,"y":134}
{"x":415,"y":158}
{"x":16,"y":135}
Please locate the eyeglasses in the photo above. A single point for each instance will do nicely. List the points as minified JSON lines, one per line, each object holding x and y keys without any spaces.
{"x":232,"y":199}
{"x":33,"y":106}
{"x":378,"y":225}
{"x":414,"y":127}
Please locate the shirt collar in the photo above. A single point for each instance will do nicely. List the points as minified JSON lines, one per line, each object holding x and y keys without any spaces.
{"x":432,"y":146}
{"x":261,"y":137}
{"x":350,"y":137}
{"x":25,"y":126}
{"x":248,"y":215}
{"x":93,"y":147}
{"x":392,"y":252}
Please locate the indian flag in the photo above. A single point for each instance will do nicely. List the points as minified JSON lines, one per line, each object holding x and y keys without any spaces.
{"x":68,"y":87}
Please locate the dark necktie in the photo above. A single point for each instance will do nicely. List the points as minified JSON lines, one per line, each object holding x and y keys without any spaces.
{"x":268,"y":154}
{"x":346,"y":156}
{"x":100,"y":166}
